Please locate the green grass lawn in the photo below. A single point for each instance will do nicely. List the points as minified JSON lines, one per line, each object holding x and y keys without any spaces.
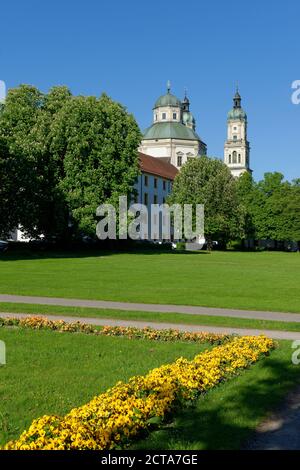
{"x":49,"y":372}
{"x":259,"y":281}
{"x":226,"y":416}
{"x":175,"y":318}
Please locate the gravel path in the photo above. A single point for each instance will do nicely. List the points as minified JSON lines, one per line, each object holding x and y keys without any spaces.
{"x":161,"y":326}
{"x":280,"y":431}
{"x":222,"y":312}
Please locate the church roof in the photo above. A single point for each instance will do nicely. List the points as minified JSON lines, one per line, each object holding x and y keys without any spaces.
{"x":157,"y":166}
{"x":170,"y":130}
{"x":236,"y":113}
{"x":167,"y":100}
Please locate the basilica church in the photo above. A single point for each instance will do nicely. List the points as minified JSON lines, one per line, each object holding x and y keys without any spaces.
{"x":173,"y":138}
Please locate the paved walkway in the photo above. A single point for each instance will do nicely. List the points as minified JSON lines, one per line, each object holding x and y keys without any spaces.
{"x":280,"y":431}
{"x":289,"y":335}
{"x":104,"y":304}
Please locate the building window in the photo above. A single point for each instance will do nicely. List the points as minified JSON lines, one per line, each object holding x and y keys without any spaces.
{"x":163,"y":116}
{"x":234,"y":128}
{"x":145,"y":199}
{"x":239,"y":158}
{"x":229,"y":159}
{"x":146,"y":180}
{"x":179,"y":160}
{"x":155,"y":199}
{"x":234,"y":157}
{"x":234,"y":137}
{"x":155,"y":182}
{"x":164,"y":185}
{"x":164,"y":200}
{"x":155,"y":117}
{"x":174,"y":115}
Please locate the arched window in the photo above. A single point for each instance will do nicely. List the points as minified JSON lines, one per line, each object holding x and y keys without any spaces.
{"x":234,"y":156}
{"x":239,"y":158}
{"x":229,"y":159}
{"x":179,"y":158}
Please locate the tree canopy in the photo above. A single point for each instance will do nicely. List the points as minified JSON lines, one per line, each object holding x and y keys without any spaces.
{"x":272,"y":207}
{"x":60,"y":157}
{"x":208,"y":181}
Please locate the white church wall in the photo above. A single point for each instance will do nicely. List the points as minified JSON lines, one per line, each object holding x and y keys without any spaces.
{"x":170,"y":148}
{"x":148,"y":189}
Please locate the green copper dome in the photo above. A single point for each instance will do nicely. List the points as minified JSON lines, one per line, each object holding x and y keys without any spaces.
{"x":236,"y":113}
{"x":167,"y":100}
{"x":188,"y":118}
{"x":170,"y":130}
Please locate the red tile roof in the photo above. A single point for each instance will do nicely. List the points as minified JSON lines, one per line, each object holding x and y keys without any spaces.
{"x":157,"y":166}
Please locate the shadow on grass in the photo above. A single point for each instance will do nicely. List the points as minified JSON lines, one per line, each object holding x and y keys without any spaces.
{"x":31,"y":254}
{"x":226,"y":416}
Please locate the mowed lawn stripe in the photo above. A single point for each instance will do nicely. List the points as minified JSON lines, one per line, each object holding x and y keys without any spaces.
{"x":255,"y":281}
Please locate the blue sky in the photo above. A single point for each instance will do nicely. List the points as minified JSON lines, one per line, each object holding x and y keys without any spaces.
{"x":129,"y":49}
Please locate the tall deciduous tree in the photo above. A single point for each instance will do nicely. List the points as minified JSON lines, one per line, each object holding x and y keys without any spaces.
{"x":272,"y":206}
{"x":97,"y":141}
{"x":19,"y":168}
{"x":247,"y":195}
{"x":208,"y":181}
{"x":62,"y":156}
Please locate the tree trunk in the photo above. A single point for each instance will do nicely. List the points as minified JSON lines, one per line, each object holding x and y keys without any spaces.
{"x":209,"y":244}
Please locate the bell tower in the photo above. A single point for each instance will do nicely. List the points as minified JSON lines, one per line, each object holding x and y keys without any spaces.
{"x":237,"y":147}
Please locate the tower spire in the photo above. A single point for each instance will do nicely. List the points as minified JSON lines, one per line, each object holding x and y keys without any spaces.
{"x":237,"y":99}
{"x":185,"y":102}
{"x":168,"y":86}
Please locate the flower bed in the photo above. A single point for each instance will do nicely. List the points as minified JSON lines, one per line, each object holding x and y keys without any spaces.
{"x":113,"y":418}
{"x":38,"y":323}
